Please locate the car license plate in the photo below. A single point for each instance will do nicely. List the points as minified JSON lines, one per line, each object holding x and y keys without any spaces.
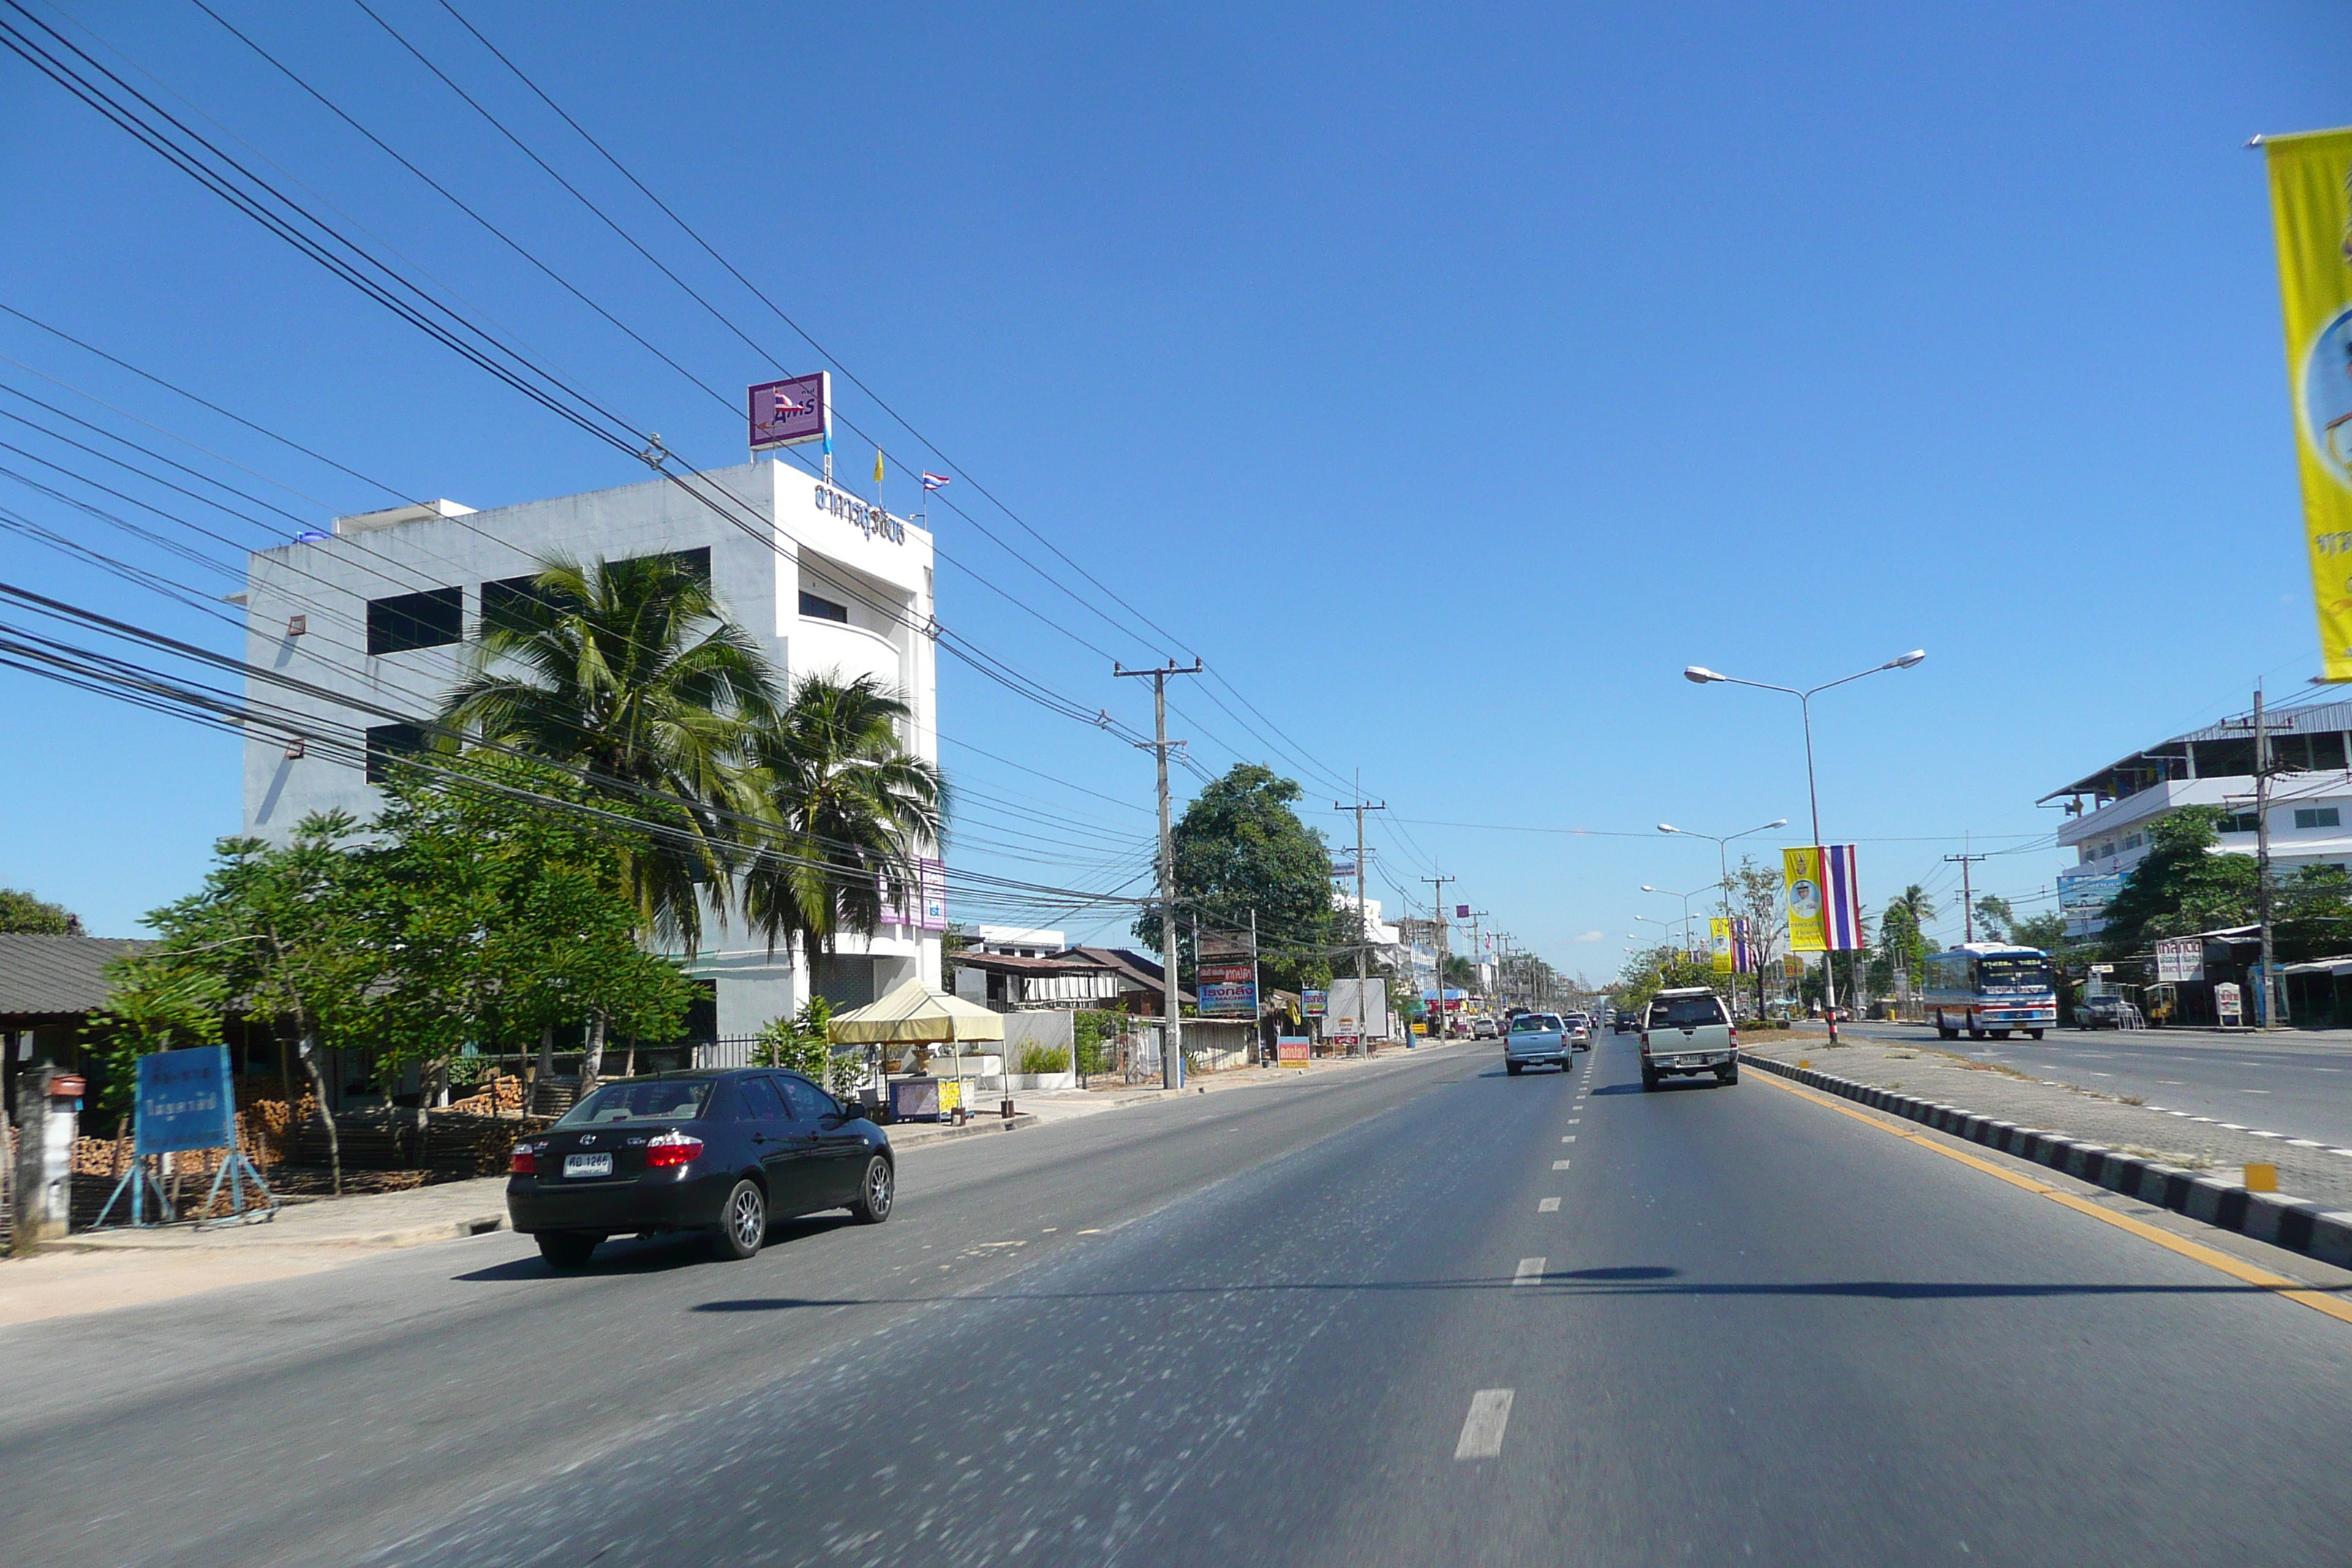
{"x":587,"y":1165}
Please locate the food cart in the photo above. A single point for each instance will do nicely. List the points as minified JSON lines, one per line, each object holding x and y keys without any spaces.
{"x":913,"y":1014}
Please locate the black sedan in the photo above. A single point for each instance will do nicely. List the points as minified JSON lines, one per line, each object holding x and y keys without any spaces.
{"x":721,"y":1152}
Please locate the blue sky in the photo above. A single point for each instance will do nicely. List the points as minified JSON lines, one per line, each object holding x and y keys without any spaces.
{"x":1449,"y":378}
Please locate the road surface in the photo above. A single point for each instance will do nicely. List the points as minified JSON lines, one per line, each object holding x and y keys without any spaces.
{"x":1325,"y":1325}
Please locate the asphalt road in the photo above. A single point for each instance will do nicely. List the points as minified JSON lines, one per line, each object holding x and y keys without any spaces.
{"x":1318,"y":1325}
{"x":2299,"y":1086}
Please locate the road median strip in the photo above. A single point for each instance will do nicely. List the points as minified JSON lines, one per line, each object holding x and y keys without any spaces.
{"x":2294,"y":1224}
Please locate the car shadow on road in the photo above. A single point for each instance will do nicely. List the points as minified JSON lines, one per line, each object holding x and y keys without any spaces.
{"x":651,"y":1254}
{"x":1665,"y":1086}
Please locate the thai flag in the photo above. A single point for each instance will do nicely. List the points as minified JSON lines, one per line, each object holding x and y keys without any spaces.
{"x":784,"y":404}
{"x":1843,"y":899}
{"x":936,"y":481}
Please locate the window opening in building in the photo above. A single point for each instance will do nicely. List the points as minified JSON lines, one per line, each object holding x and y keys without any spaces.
{"x":2239,"y":822}
{"x":513,"y":604}
{"x":823,"y":609}
{"x":433,"y":618}
{"x":386,"y":741}
{"x":2318,"y":817}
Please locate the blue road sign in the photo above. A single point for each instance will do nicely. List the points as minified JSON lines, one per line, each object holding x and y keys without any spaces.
{"x":184,"y":1100}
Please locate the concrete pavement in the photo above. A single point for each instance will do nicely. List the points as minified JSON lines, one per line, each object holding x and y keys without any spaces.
{"x":1340,"y":1324}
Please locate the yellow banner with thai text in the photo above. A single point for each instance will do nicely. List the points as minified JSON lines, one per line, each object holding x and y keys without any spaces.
{"x":1807,"y":927}
{"x":2311,"y":207}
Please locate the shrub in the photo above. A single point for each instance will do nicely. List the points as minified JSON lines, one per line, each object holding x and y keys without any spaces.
{"x":1043,"y":1060}
{"x":798,"y":1044}
{"x":1099,"y":1033}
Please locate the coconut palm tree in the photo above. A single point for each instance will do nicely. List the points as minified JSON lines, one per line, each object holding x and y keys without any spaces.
{"x":630,"y":673}
{"x":851,"y":808}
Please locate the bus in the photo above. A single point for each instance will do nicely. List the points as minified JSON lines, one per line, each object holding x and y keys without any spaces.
{"x":1990,"y":988}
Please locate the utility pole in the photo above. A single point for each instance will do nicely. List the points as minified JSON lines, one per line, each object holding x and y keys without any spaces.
{"x":2272,"y":991}
{"x":1437,"y":908}
{"x":1171,"y":1049}
{"x":1968,"y":895}
{"x":1477,"y":933}
{"x":1363,"y":927}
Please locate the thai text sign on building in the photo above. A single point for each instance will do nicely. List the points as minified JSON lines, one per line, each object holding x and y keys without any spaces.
{"x":1226,"y":978}
{"x":787,"y":413}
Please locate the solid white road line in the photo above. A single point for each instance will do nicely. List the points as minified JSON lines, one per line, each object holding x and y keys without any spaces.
{"x":1482,"y":1429}
{"x":1529,"y":1272}
{"x":1548,"y":1205}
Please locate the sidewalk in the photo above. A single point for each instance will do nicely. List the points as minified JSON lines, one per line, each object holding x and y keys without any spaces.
{"x":94,"y":1272}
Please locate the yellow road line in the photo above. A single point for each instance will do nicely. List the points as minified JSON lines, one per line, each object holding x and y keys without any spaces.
{"x":2235,"y":1268}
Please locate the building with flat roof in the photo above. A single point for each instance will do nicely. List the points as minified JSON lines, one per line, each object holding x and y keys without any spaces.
{"x":377,"y":618}
{"x":2109,"y":811}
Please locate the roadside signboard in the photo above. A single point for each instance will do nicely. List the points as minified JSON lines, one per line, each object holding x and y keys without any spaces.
{"x":1292,"y":1050}
{"x":2228,"y":1004}
{"x":1365,"y":1001}
{"x":184,"y":1100}
{"x":2180,"y":958}
{"x":1225,"y":977}
{"x":1313,"y":1002}
{"x":1802,"y":870}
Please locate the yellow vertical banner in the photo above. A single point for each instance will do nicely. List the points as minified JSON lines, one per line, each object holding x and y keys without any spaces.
{"x":2310,"y":204}
{"x":1718,"y":931}
{"x":1808,"y":929}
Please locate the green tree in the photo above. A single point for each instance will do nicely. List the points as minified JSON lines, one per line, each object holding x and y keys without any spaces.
{"x":283,"y":933}
{"x":801,"y":1045}
{"x":1902,"y":930}
{"x":852,"y":809}
{"x":1995,"y":919}
{"x":629,"y":675}
{"x":1240,"y":846}
{"x":20,"y":912}
{"x":2183,"y":887}
{"x":1758,"y":894}
{"x":507,"y":909}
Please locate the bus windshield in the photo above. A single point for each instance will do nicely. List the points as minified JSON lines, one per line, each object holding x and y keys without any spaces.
{"x":2024,"y":972}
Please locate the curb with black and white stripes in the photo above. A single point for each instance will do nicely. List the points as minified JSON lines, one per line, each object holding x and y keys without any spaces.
{"x":2296,"y":1224}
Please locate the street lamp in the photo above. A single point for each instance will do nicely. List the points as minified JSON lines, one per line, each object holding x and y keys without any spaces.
{"x":1699,"y":675}
{"x":1723,"y":860}
{"x":1686,"y":898}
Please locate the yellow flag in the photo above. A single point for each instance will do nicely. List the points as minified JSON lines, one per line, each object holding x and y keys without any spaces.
{"x":1802,"y":870}
{"x":878,"y":465}
{"x":2311,"y":203}
{"x":1718,"y":931}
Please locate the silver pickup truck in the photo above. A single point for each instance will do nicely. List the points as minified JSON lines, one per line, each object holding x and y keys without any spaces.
{"x":1685,"y":1033}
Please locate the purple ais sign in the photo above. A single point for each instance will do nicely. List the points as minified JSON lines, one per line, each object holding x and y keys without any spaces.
{"x":787,"y":413}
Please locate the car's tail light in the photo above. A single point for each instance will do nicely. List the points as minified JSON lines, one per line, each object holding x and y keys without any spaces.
{"x":1735,"y":1037}
{"x":671,"y":1149}
{"x":1645,"y":1042}
{"x":525,"y":1161}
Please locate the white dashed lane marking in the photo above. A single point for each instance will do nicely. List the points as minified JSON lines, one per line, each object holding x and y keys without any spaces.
{"x":1530,"y":1271}
{"x":1559,"y":1165}
{"x":1482,"y":1429}
{"x":1548,"y":1205}
{"x":1571,"y":1138}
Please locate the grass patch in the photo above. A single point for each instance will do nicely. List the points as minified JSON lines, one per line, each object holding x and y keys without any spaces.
{"x":2134,"y":1099}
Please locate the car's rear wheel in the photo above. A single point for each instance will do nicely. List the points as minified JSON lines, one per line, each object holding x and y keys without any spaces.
{"x":742,"y":1226}
{"x":1511,"y":1067}
{"x":566,"y":1249}
{"x":1649,"y":1078}
{"x":1728,"y":1075}
{"x":2001,"y":1034}
{"x":877,"y":1191}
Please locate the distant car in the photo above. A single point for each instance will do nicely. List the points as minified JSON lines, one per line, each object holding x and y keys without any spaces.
{"x":2099,"y":1013}
{"x":1536,"y":1040}
{"x":721,"y":1152}
{"x":1483,"y":1028}
{"x":1687,"y":1032}
{"x":1579,"y":1029}
{"x":1623,"y":1023}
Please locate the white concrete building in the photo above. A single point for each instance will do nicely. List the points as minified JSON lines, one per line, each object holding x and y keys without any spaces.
{"x":2109,"y":812}
{"x":385,"y":612}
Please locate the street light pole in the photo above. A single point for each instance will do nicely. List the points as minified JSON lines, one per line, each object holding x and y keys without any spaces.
{"x":1723,"y":862}
{"x":1699,"y":675}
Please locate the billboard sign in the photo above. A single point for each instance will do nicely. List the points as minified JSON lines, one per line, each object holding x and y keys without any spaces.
{"x":1227,"y":991}
{"x":1292,"y":1050}
{"x":2180,"y":958}
{"x":933,"y":915}
{"x":1312,"y":1003}
{"x":1363,"y":1001}
{"x":788,"y":413}
{"x":184,"y":1100}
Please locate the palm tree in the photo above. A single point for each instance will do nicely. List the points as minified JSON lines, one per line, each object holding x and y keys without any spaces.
{"x":851,"y":810}
{"x":629,"y":673}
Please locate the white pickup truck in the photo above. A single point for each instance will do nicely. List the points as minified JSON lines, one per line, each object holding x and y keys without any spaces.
{"x":1687,"y":1032}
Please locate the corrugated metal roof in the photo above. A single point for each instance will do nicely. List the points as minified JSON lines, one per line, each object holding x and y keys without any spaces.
{"x":2309,"y":719}
{"x":57,"y":974}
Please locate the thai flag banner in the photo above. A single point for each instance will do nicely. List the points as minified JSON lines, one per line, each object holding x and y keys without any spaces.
{"x":936,"y":481}
{"x":1743,"y":952}
{"x":1844,"y":899}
